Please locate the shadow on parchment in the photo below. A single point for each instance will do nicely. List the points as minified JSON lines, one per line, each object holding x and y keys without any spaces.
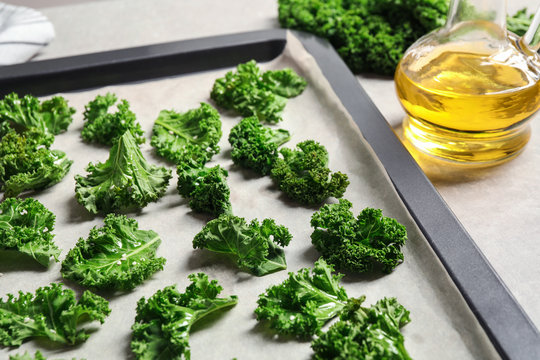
{"x":263,"y":329}
{"x":13,"y":260}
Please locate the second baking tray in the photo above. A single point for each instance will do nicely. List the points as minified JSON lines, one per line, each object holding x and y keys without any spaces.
{"x":506,"y":326}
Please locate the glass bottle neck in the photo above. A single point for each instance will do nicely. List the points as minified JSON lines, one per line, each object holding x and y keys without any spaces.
{"x":493,"y":11}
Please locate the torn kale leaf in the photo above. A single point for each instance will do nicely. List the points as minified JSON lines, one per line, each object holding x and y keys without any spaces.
{"x":206,"y":188}
{"x":251,"y":92}
{"x":50,"y":116}
{"x":303,"y":174}
{"x":28,"y":163}
{"x":255,"y":146}
{"x":368,"y":242}
{"x":104,"y":127}
{"x":116,"y":256}
{"x":164,"y":321}
{"x":254,"y":246}
{"x":194,"y":134}
{"x":26,"y":226}
{"x":52,"y":313}
{"x":304,"y":302}
{"x":126,"y":180}
{"x":365,"y":333}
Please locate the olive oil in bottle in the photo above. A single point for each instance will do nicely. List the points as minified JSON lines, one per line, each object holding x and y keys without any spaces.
{"x":469,"y":88}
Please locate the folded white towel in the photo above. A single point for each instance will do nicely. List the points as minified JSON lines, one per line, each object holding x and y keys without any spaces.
{"x":23,"y":32}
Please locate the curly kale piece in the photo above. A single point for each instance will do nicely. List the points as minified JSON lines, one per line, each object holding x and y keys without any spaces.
{"x":205,"y":187}
{"x":370,"y":241}
{"x":250,"y":92}
{"x":27,"y":162}
{"x":52,"y":313}
{"x":519,"y":22}
{"x":5,"y":128}
{"x":126,"y":180}
{"x":26,"y":226}
{"x":304,"y":175}
{"x":105,"y":128}
{"x":164,"y":321}
{"x":194,"y":134}
{"x":255,"y":146}
{"x":50,"y":116}
{"x":304,"y":302}
{"x":365,"y":333}
{"x":26,"y":356}
{"x":116,"y":256}
{"x":254,"y":246}
{"x":372,"y":35}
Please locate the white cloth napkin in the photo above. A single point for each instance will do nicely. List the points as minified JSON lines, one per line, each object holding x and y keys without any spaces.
{"x":23,"y":32}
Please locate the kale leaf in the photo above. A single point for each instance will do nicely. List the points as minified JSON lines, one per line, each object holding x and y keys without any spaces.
{"x":519,"y":22}
{"x":254,"y":246}
{"x":164,"y":321}
{"x":362,"y":244}
{"x":124,"y":181}
{"x":365,"y":333}
{"x":303,"y":303}
{"x":250,"y":92}
{"x":255,"y":146}
{"x":52,"y":313}
{"x":304,"y":175}
{"x":50,"y":116}
{"x":5,"y":128}
{"x":206,"y":188}
{"x":372,"y":35}
{"x":194,"y":134}
{"x":26,"y":226}
{"x":105,"y":128}
{"x":27,"y":163}
{"x":116,"y":256}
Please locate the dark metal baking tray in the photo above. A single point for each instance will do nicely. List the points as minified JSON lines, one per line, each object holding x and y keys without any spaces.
{"x":508,"y":327}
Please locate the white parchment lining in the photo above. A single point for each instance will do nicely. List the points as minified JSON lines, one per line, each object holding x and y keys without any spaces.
{"x":442,"y":326}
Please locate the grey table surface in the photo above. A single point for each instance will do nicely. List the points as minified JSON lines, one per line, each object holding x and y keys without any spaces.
{"x":499,"y":207}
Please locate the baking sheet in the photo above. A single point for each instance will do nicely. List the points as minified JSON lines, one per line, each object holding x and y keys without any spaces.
{"x":442,"y":325}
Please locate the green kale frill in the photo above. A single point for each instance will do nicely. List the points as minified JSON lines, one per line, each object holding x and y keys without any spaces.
{"x":255,"y":146}
{"x":26,"y":226}
{"x":303,"y":174}
{"x":251,"y":92}
{"x":206,"y":188}
{"x":372,"y":35}
{"x":365,"y":333}
{"x":27,"y":162}
{"x":104,"y":127}
{"x":164,"y":321}
{"x":254,"y":246}
{"x":117,"y":256}
{"x":193,"y":135}
{"x":52,"y":313}
{"x":304,"y":302}
{"x":125,"y":181}
{"x":366,"y":243}
{"x":51,"y":117}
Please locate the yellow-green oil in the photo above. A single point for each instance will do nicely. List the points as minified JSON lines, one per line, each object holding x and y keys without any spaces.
{"x":467,"y":107}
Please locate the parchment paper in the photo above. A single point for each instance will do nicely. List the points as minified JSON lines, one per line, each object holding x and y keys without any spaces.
{"x":442,"y":326}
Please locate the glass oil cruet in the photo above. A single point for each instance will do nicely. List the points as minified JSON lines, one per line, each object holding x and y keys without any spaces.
{"x":470,"y":88}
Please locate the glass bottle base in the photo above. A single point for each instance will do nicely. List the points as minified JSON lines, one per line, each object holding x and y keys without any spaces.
{"x":477,"y":149}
